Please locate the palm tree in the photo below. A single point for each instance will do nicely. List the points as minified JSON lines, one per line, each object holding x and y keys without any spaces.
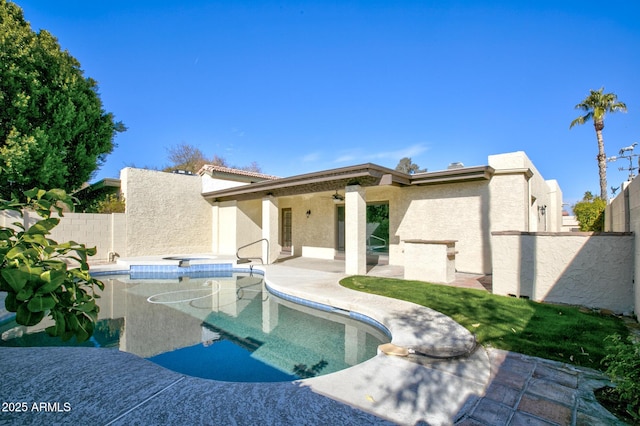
{"x":596,"y":105}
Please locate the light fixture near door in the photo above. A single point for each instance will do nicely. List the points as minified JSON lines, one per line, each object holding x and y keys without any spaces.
{"x":337,"y":197}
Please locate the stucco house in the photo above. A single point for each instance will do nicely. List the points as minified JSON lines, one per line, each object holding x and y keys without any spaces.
{"x":502,"y":218}
{"x":363,"y":213}
{"x":324,"y":214}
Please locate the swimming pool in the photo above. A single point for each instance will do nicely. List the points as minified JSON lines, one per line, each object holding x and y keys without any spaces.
{"x":223,"y":325}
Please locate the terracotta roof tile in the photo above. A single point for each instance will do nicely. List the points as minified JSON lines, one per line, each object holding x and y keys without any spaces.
{"x":210,"y":168}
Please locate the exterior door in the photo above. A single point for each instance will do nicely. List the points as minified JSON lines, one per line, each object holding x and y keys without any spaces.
{"x":286,"y":238}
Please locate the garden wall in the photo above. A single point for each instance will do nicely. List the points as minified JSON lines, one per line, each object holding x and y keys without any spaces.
{"x":577,"y":268}
{"x":106,"y":232}
{"x":623,"y":214}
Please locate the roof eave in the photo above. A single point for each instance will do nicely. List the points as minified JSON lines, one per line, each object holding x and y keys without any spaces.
{"x":466,"y":174}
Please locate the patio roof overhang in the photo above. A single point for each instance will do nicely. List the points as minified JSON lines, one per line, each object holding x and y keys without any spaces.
{"x":365,"y":175}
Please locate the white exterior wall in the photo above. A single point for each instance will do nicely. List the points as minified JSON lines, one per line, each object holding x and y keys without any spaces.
{"x":166,"y":213}
{"x":210,"y":184}
{"x":577,"y":268}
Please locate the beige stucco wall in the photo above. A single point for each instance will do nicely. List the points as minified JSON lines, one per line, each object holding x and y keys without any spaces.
{"x":540,"y":192}
{"x":575,"y":268}
{"x":235,"y":224}
{"x":617,"y":212}
{"x":315,"y":235}
{"x":225,"y":241}
{"x":166,"y":213}
{"x":449,"y":212}
{"x":249,"y":227}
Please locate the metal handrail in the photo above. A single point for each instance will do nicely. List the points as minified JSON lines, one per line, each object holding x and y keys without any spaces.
{"x":248,"y":259}
{"x":384,"y":242}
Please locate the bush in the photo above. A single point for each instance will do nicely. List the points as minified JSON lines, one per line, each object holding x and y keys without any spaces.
{"x":623,"y":367}
{"x":35,"y":271}
{"x":590,"y":213}
{"x":112,"y":203}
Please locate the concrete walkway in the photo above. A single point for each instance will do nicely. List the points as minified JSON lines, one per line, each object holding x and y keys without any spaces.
{"x":489,"y":387}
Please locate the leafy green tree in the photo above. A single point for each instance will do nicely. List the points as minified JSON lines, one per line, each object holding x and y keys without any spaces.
{"x":35,"y":271}
{"x":405,"y":165}
{"x":590,"y":212}
{"x":53,"y":129}
{"x":596,"y":106}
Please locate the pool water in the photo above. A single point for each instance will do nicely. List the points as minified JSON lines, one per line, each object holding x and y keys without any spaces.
{"x":225,"y":326}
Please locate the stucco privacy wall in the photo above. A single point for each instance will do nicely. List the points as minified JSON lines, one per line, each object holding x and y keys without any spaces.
{"x":165,"y":213}
{"x":577,"y":268}
{"x":623,"y":212}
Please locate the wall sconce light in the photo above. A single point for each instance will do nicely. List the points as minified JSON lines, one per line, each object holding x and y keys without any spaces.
{"x":308,"y":213}
{"x":542,"y":210}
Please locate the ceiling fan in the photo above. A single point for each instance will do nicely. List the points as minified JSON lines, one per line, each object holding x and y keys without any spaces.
{"x":337,"y":197}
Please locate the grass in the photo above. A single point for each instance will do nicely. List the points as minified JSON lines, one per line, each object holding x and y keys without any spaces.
{"x":558,"y":332}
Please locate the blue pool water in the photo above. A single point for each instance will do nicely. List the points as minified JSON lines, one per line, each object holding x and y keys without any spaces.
{"x":222,"y":325}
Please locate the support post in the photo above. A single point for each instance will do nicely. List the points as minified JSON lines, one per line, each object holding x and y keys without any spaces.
{"x":270,"y":229}
{"x":355,"y":243}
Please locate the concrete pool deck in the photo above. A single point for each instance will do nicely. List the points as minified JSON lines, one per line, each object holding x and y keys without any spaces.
{"x":488,"y":387}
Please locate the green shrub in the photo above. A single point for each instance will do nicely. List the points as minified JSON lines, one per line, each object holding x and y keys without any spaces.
{"x":112,"y":203}
{"x":590,"y":213}
{"x":35,"y":271}
{"x":623,"y":367}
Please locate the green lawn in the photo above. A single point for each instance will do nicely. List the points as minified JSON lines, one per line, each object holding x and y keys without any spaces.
{"x":558,"y":332}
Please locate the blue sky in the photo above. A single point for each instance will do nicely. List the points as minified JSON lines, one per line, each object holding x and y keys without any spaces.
{"x":305,"y":86}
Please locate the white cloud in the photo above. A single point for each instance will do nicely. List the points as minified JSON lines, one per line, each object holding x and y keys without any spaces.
{"x":311,"y":157}
{"x":359,"y":155}
{"x":237,"y":132}
{"x":410,"y":151}
{"x":345,"y":158}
